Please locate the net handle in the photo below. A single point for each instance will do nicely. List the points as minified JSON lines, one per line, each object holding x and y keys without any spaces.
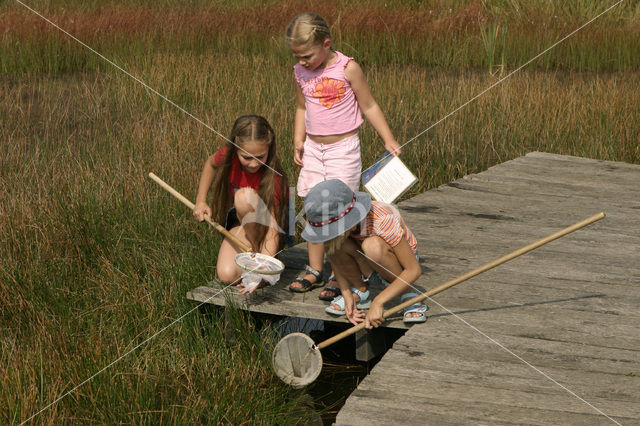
{"x":189,"y":204}
{"x":466,"y":276}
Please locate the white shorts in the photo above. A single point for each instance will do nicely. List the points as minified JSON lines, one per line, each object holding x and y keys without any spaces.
{"x":338,"y":160}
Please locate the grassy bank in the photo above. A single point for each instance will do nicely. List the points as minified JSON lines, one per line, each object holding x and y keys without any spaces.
{"x":94,"y":258}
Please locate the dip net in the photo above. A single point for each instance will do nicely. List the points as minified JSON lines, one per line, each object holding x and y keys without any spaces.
{"x":259,"y":264}
{"x":258,"y":267}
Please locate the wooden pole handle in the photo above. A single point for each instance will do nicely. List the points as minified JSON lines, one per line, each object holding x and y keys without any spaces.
{"x":189,"y":204}
{"x":468,"y":275}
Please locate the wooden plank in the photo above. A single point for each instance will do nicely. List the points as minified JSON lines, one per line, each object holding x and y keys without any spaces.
{"x":510,"y":374}
{"x":554,"y":322}
{"x":472,"y":402}
{"x":573,"y":355}
{"x":460,"y":205}
{"x":374,"y":409}
{"x":462,"y":360}
{"x":553,"y":179}
{"x":614,"y":165}
{"x":269,"y":302}
{"x":277,"y":300}
{"x":370,"y":344}
{"x":571,"y":167}
{"x":460,"y":370}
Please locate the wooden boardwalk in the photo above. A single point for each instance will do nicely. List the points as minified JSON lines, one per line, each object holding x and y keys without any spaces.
{"x":552,"y":337}
{"x":278,"y":300}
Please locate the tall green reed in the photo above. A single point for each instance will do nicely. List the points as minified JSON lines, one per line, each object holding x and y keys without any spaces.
{"x":494,"y":40}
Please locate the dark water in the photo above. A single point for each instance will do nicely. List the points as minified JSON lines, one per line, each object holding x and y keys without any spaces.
{"x":341,"y":372}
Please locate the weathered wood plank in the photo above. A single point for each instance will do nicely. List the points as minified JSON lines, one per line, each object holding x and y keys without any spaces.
{"x":472,"y":402}
{"x":580,"y":160}
{"x":375,"y":410}
{"x":510,"y":374}
{"x":481,"y":209}
{"x":569,"y":355}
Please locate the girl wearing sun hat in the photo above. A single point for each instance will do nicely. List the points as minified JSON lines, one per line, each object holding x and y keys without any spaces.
{"x":363,"y":238}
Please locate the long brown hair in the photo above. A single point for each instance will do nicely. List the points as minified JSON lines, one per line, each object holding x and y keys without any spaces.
{"x":252,"y":128}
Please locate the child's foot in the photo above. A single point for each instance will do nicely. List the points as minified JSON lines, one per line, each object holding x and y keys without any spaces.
{"x":331,"y":290}
{"x":307,"y":280}
{"x":415,"y":312}
{"x":361,"y":297}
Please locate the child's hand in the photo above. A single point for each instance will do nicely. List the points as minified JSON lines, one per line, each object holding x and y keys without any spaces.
{"x":243,"y":290}
{"x":374,"y":317}
{"x":353,"y":314}
{"x":393,"y":147}
{"x":200,"y":210}
{"x":298,"y":149}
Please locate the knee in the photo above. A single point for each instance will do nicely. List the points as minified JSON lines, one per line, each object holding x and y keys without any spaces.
{"x":227,"y":274}
{"x":245,"y":201}
{"x":376,"y":248}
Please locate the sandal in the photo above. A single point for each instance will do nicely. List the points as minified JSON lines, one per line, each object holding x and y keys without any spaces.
{"x":376,"y":280}
{"x":363,"y":303}
{"x":335,"y":290}
{"x":307,"y":285}
{"x":419,"y":308}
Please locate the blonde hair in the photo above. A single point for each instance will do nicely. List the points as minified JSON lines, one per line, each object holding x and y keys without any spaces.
{"x":307,"y":29}
{"x":335,"y":244}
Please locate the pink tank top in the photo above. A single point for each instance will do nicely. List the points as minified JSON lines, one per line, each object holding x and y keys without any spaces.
{"x":331,"y":106}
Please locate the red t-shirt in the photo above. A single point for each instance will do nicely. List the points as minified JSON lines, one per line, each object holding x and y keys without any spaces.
{"x":239,"y":178}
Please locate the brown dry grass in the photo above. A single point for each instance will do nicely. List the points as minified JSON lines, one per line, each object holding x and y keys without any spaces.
{"x":134,"y":20}
{"x":411,"y":21}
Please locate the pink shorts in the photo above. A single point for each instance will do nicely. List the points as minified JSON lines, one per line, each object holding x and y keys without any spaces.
{"x":338,"y":160}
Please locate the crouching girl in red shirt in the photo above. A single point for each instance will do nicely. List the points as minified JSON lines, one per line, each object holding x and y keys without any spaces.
{"x":250,"y":191}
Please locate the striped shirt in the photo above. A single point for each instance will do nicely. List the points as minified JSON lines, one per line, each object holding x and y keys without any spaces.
{"x":384,"y":221}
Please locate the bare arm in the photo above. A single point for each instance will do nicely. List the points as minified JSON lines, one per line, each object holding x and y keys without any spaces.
{"x":206,"y":179}
{"x":370,"y":107}
{"x":299,"y":128}
{"x":411,"y":271}
{"x":353,"y":314}
{"x":272,"y":237}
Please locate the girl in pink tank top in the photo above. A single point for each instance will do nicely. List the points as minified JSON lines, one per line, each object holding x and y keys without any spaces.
{"x":331,"y":96}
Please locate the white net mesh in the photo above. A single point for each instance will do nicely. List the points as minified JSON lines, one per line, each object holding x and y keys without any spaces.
{"x":257,"y":268}
{"x":259,"y":264}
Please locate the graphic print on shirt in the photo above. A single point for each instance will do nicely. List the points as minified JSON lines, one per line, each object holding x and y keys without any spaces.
{"x":329,"y":91}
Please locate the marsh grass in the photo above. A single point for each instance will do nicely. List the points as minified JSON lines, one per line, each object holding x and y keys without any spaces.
{"x":440,"y":34}
{"x":94,"y":258}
